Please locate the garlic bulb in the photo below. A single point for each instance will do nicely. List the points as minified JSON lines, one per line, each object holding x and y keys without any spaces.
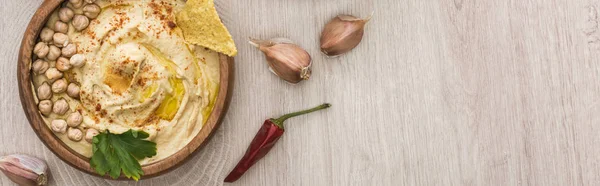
{"x":286,"y":60}
{"x":24,"y":169}
{"x":342,"y":34}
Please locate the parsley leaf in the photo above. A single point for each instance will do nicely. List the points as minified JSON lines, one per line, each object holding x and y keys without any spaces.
{"x":116,"y":153}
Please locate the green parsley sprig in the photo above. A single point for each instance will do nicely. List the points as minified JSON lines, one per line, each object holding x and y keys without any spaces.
{"x":116,"y":153}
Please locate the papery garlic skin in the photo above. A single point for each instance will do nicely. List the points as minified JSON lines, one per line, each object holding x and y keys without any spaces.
{"x":342,"y":34}
{"x":286,"y":60}
{"x":24,"y":169}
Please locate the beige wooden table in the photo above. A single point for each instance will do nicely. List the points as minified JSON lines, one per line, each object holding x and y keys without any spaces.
{"x":440,"y":92}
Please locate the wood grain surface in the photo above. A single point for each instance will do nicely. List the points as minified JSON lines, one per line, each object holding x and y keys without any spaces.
{"x":448,"y":92}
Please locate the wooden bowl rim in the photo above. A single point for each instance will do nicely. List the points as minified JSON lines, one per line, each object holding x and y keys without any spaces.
{"x":80,"y":162}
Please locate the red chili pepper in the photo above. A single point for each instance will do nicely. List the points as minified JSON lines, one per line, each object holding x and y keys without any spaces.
{"x":264,"y":140}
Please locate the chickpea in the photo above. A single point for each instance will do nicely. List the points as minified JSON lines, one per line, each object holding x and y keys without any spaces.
{"x":41,"y":49}
{"x":46,"y":34}
{"x":90,"y":133}
{"x":63,"y":64}
{"x":74,"y":134}
{"x":73,"y":90}
{"x":74,"y":119}
{"x":40,"y":66}
{"x":91,"y":11}
{"x":76,"y":3}
{"x":69,"y":50}
{"x":45,"y":107}
{"x":44,"y":91}
{"x":59,"y":126}
{"x":59,"y":86}
{"x":61,"y":27}
{"x":65,"y":14}
{"x":80,"y":22}
{"x":53,"y":54}
{"x":53,"y":74}
{"x":60,"y":107}
{"x":90,"y":1}
{"x":60,"y":39}
{"x":77,"y":60}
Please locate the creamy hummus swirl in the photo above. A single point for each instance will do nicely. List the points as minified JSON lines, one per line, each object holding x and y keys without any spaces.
{"x":141,"y":74}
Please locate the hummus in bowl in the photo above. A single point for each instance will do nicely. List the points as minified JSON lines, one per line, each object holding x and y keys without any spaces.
{"x":128,"y":68}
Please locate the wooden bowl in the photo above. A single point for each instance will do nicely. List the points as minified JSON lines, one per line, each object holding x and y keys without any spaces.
{"x":80,"y":162}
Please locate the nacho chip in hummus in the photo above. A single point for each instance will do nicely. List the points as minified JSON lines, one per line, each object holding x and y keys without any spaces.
{"x":202,"y":26}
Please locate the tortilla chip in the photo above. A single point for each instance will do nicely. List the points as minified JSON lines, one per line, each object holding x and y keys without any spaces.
{"x":202,"y":26}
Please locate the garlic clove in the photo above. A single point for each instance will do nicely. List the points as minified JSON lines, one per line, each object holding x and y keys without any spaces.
{"x":342,"y":34}
{"x":286,"y":59}
{"x":24,"y":169}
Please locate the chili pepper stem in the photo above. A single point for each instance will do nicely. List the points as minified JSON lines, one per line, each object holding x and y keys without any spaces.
{"x":279,"y":121}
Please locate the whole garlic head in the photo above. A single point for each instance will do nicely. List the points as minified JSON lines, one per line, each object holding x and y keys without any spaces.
{"x":74,"y":119}
{"x":58,"y":126}
{"x":63,"y":64}
{"x":44,"y":91}
{"x":54,"y":53}
{"x":80,"y":22}
{"x":91,"y":11}
{"x":74,"y":134}
{"x":24,"y":169}
{"x":45,"y":107}
{"x":53,"y":74}
{"x":78,"y":60}
{"x":60,"y":107}
{"x":65,"y":14}
{"x":41,"y":49}
{"x":90,"y":133}
{"x":46,"y":34}
{"x":73,"y":90}
{"x":40,"y":66}
{"x":59,"y":86}
{"x":69,"y":50}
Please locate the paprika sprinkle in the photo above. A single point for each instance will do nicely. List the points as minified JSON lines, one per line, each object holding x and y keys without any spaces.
{"x":267,"y":136}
